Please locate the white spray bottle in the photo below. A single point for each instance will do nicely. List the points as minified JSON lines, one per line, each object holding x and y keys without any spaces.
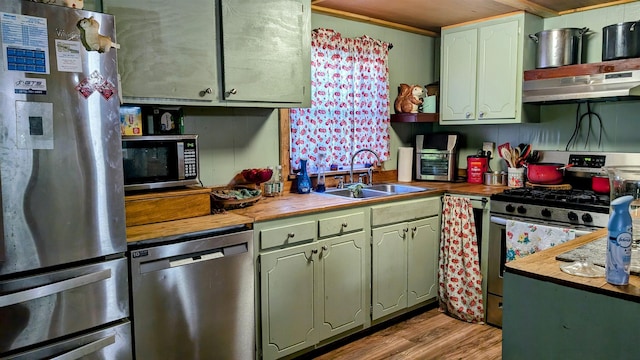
{"x":619,"y":242}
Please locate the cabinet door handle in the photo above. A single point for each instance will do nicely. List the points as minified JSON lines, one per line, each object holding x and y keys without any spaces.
{"x":314,"y":251}
{"x":205,"y":92}
{"x":481,"y":113}
{"x":414,"y":230}
{"x":467,"y":115}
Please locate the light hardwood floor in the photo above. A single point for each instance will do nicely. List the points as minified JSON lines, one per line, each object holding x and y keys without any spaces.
{"x":427,"y":335}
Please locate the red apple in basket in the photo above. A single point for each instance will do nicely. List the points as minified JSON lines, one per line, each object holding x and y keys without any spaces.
{"x":257,"y":176}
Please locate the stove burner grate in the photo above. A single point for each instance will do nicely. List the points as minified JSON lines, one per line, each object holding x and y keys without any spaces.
{"x":554,"y":196}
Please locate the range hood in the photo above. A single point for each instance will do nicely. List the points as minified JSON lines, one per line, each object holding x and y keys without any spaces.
{"x":605,"y":81}
{"x":624,"y":85}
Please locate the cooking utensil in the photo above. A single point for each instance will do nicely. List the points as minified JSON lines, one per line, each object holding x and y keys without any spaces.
{"x":506,"y":155}
{"x":558,"y":47}
{"x":546,"y":173}
{"x":533,"y":157}
{"x":503,"y":146}
{"x":600,"y":184}
{"x":621,"y":41}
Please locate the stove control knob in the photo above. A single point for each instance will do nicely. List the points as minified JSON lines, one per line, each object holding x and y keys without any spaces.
{"x":510,"y":208}
{"x":545,"y":212}
{"x":587,"y":218}
{"x":522,"y":210}
{"x":572,"y":216}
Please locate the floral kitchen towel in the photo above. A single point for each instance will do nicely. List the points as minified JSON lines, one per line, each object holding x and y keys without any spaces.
{"x":525,"y":239}
{"x":459,"y":277}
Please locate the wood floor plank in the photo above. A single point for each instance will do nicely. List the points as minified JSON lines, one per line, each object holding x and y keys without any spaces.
{"x":428,"y":335}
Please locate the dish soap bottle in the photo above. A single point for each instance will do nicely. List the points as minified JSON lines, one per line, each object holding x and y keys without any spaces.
{"x":619,"y":242}
{"x":304,"y":183}
{"x":320,"y":187}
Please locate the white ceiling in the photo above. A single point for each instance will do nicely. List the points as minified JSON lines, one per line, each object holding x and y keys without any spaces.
{"x":428,"y":16}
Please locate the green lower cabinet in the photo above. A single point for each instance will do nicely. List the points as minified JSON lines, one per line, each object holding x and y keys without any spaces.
{"x":422,"y":272}
{"x":288,"y":292}
{"x":404,"y":265}
{"x":341,"y":293}
{"x":311,"y":292}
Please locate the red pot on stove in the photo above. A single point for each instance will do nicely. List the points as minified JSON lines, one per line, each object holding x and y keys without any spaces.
{"x":600,"y":184}
{"x":546,"y":173}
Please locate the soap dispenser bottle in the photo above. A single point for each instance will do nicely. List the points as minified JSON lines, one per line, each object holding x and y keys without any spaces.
{"x":619,"y":242}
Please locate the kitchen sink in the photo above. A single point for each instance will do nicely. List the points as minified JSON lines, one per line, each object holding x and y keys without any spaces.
{"x":377,"y":190}
{"x":363,"y":194}
{"x":397,"y":188}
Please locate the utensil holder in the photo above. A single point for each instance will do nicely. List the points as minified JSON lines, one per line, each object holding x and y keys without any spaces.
{"x":515,"y":177}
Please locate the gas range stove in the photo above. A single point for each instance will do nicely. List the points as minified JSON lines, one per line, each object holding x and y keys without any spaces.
{"x":576,"y":207}
{"x":579,"y":207}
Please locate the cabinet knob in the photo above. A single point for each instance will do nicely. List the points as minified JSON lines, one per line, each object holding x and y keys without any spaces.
{"x":325,"y":247}
{"x":232,"y":92}
{"x":481,"y":113}
{"x":345,"y":224}
{"x":314,"y":251}
{"x":467,"y":115}
{"x":291,"y":235}
{"x":207,"y":91}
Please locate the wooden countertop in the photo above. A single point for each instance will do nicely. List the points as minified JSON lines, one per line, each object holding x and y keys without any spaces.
{"x":291,"y":204}
{"x":169,"y":230}
{"x":544,"y":266}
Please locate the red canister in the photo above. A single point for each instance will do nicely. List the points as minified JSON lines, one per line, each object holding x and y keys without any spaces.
{"x":477,"y":165}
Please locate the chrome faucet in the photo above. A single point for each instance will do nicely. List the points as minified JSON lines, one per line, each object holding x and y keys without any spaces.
{"x":371,"y":171}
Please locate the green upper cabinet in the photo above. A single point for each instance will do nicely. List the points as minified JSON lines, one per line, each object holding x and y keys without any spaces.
{"x":482,"y":68}
{"x":263,"y":50}
{"x":214,"y":52}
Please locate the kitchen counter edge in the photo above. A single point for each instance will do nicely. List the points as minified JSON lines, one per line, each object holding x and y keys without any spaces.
{"x":544,"y":266}
{"x":292,"y":204}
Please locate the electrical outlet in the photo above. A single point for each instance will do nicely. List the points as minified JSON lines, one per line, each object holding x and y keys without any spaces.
{"x":489,"y":146}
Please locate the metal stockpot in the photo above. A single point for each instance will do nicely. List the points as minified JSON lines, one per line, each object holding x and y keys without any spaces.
{"x":559,"y":47}
{"x":621,"y":41}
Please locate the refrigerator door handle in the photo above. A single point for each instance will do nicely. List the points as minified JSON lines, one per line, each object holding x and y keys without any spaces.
{"x":87,"y":349}
{"x":50,"y":289}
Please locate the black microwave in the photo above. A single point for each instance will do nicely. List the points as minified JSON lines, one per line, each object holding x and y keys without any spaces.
{"x":152,"y":162}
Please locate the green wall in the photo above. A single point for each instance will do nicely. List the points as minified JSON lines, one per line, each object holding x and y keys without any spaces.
{"x":620,"y":120}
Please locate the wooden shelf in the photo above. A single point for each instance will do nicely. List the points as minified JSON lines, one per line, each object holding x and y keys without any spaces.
{"x":411,"y":117}
{"x":583,"y":69}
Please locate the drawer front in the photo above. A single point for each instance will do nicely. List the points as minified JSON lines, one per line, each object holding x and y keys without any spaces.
{"x":339,"y":225}
{"x":287,"y":235}
{"x":404,"y":211}
{"x":74,"y":299}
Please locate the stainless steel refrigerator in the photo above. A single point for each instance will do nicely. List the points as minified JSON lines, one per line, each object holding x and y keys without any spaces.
{"x":63,"y":270}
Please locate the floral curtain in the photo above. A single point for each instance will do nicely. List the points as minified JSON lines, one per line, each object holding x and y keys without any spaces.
{"x":459,"y":276}
{"x":349,"y":102}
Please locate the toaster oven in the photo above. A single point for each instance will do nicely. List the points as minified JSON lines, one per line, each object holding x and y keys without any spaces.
{"x":436,"y":156}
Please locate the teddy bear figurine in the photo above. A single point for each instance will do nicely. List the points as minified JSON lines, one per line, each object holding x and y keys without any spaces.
{"x":409,"y":98}
{"x":91,"y":39}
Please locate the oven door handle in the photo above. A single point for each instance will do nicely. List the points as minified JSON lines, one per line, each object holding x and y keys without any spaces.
{"x":502,"y":221}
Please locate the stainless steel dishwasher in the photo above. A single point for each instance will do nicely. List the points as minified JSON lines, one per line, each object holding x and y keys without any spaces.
{"x":194,"y":299}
